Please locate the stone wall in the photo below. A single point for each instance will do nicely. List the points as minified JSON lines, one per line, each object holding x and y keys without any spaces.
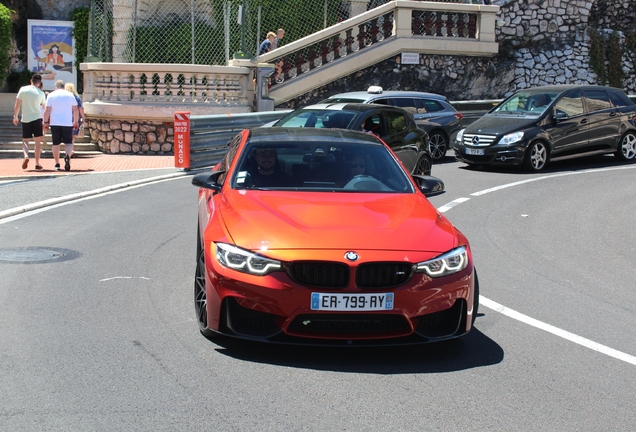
{"x":60,"y":9}
{"x":134,"y":136}
{"x":617,"y":14}
{"x":541,"y":42}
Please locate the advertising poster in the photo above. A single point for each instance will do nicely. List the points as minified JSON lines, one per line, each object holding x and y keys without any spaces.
{"x":51,"y":51}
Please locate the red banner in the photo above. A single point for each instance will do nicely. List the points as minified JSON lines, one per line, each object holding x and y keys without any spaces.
{"x":182,"y":139}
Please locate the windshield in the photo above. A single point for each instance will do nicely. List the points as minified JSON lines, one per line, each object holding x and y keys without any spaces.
{"x":318,"y":119}
{"x":320,"y":166}
{"x":526,"y":103}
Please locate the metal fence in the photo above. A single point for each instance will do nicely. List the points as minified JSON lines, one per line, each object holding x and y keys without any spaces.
{"x":207,"y":32}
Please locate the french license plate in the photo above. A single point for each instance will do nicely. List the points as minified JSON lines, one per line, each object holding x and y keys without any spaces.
{"x":352,"y":302}
{"x":477,"y":152}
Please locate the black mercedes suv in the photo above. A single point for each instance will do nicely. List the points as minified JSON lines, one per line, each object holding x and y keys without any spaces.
{"x":542,"y":124}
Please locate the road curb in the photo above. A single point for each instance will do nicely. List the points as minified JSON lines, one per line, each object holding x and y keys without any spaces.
{"x":53,"y":201}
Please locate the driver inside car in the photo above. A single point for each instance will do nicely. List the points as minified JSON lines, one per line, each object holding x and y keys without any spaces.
{"x":268,"y":172}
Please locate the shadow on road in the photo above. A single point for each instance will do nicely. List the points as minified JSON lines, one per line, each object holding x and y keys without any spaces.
{"x":471,"y":351}
{"x":577,"y":164}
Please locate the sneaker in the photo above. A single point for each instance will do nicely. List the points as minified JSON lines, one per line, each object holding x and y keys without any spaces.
{"x":280,"y":80}
{"x":67,"y":163}
{"x":57,"y":167}
{"x":25,"y":163}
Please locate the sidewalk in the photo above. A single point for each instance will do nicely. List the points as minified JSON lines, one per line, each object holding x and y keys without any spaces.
{"x":12,"y":167}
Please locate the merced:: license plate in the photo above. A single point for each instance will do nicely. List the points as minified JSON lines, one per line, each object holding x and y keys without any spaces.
{"x":351,"y":302}
{"x":478,"y":152}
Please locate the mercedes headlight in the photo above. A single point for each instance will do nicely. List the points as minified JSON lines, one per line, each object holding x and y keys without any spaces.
{"x":245,"y":261}
{"x":511,"y":138}
{"x":446,"y":264}
{"x":460,"y":136}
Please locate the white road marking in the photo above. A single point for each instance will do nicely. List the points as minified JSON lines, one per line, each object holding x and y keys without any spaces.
{"x":452,"y":204}
{"x":496,"y":188}
{"x":124,"y":277}
{"x":524,"y":318}
{"x":41,"y":206}
{"x":557,"y":331}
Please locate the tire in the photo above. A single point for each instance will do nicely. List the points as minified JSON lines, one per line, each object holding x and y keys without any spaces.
{"x":438,"y":144}
{"x":476,"y":298}
{"x":536,"y":156}
{"x":423,"y":166}
{"x":200,"y":295}
{"x":627,"y":147}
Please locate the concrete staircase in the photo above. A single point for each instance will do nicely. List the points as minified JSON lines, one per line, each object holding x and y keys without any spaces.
{"x":11,"y":142}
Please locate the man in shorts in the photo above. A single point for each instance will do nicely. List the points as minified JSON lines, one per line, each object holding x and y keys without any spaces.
{"x":30,"y":99}
{"x":62,"y":115}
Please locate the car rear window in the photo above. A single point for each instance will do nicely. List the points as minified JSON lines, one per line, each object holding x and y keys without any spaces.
{"x":432,"y":106}
{"x":620,"y":99}
{"x":597,"y":100}
{"x":396,"y":122}
{"x":334,"y":119}
{"x":342,"y":100}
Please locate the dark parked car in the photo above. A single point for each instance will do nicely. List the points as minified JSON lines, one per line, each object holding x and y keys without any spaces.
{"x":550,"y":123}
{"x":432,"y":112}
{"x":395,"y":126}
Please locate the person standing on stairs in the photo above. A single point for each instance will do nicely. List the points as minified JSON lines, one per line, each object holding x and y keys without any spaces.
{"x":30,"y":99}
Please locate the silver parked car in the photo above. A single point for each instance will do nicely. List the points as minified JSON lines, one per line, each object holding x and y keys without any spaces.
{"x":432,"y":112}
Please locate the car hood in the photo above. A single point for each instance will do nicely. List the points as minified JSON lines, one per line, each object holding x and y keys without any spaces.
{"x":316,"y":220}
{"x":500,"y":124}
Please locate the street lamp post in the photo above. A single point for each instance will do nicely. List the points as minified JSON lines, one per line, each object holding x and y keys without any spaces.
{"x":242,"y":54}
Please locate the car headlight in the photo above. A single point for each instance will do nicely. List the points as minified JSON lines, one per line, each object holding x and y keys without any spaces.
{"x":446,"y":264}
{"x":245,"y":261}
{"x":511,"y":138}
{"x":460,"y":135}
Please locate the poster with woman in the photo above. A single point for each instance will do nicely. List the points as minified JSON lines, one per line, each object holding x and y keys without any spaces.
{"x":52,"y":51}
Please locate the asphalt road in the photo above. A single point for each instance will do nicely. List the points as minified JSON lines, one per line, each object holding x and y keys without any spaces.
{"x":103,"y":336}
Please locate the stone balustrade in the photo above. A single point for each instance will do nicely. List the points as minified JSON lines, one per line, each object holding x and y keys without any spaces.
{"x":130,"y":106}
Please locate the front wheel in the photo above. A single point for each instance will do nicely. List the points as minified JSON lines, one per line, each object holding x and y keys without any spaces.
{"x":200,"y":294}
{"x":438,"y":144}
{"x":627,"y":148}
{"x":423,"y":166}
{"x":536,"y":156}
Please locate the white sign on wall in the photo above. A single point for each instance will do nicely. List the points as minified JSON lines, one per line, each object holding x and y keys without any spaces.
{"x":410,"y":58}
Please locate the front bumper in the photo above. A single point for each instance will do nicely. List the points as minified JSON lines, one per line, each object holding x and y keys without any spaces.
{"x":492,"y":155}
{"x":277,"y":309}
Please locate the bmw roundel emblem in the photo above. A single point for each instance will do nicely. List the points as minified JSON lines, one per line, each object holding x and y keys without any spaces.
{"x":476,"y":140}
{"x":351,"y":256}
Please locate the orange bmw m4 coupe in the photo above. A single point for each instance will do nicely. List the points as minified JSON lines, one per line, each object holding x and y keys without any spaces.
{"x":321,"y":237}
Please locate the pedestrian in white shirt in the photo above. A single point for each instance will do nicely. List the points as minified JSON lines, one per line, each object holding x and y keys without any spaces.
{"x":61,"y":115}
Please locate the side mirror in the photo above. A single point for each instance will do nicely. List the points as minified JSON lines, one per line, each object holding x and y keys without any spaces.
{"x":429,"y":185}
{"x":559,"y":115}
{"x":208,"y":180}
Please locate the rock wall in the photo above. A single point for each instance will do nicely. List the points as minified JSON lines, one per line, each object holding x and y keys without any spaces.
{"x":148,"y":137}
{"x":541,"y":42}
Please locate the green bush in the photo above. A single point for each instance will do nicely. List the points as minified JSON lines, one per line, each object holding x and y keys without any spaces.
{"x":80,"y":17}
{"x":615,"y":74}
{"x":5,"y":41}
{"x":597,"y":56}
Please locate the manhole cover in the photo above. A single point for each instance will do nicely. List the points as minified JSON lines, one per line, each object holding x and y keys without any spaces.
{"x":36,"y":255}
